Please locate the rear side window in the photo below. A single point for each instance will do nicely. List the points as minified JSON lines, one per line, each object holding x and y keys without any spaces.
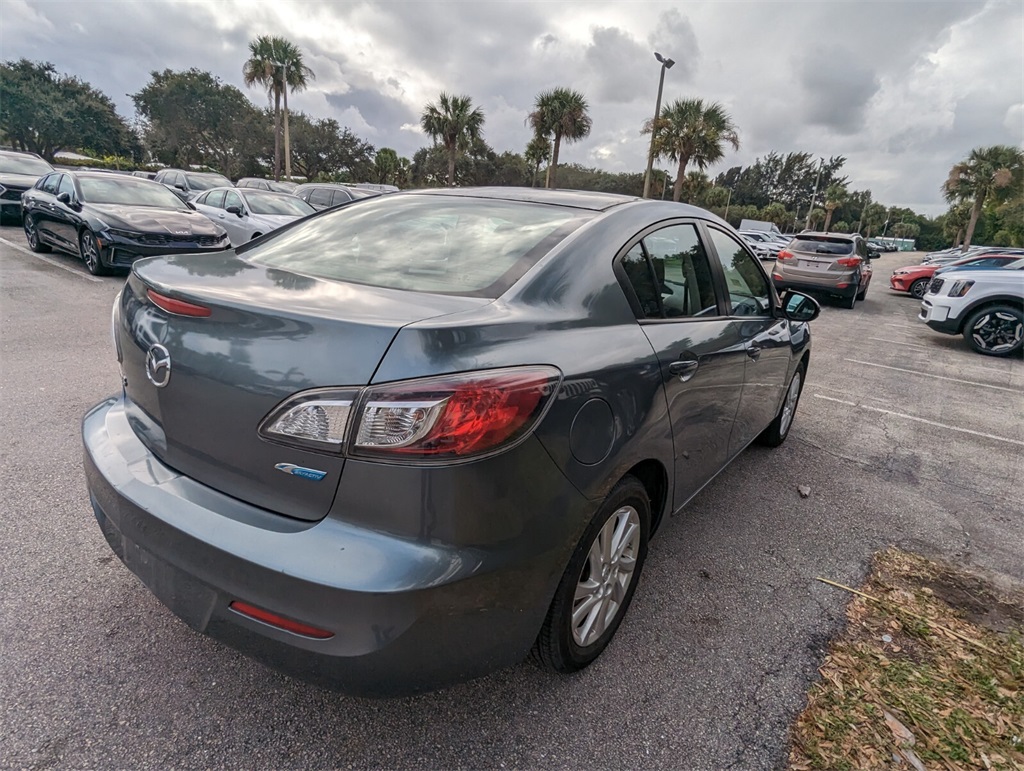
{"x":822,"y":245}
{"x":321,"y":196}
{"x":670,"y":274}
{"x":425,"y":243}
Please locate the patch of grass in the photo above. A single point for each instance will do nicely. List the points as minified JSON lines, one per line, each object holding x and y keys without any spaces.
{"x":929,"y":673}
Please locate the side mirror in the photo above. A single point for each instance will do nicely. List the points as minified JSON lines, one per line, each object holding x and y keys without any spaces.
{"x":64,"y":198}
{"x":191,"y":205}
{"x":236,"y":210}
{"x":873,"y":255}
{"x":179,"y":186}
{"x":796,"y":306}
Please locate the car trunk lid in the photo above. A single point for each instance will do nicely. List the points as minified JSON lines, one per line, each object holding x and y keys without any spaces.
{"x":267,"y":334}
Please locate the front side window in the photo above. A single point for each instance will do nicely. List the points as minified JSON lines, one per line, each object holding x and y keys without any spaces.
{"x":231,"y":198}
{"x":749,"y":294}
{"x":215,"y":199}
{"x":340,"y":197}
{"x":49,"y":184}
{"x":66,"y":186}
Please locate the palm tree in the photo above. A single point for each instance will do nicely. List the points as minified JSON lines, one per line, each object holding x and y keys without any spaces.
{"x":995,"y":172}
{"x":692,"y":130}
{"x":276,"y":64}
{"x":455,"y":123}
{"x":835,"y":196}
{"x":537,"y":152}
{"x":563,"y":114}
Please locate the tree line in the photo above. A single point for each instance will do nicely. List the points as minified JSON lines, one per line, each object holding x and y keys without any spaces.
{"x":192,"y":118}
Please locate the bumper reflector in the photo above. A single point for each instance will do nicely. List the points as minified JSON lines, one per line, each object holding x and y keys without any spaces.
{"x":295,"y":627}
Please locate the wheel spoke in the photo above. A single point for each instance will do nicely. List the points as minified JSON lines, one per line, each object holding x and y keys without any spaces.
{"x":584,"y":608}
{"x":627,"y":564}
{"x":625,"y":539}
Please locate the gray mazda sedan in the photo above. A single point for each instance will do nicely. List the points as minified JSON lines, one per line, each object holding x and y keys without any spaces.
{"x":405,"y":443}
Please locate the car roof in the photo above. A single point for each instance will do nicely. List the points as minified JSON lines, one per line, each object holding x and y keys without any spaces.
{"x":579,"y":199}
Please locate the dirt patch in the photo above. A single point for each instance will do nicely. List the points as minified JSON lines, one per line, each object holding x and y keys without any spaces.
{"x":928,"y":674}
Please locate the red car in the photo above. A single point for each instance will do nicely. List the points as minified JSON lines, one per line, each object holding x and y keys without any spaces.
{"x":914,"y":278}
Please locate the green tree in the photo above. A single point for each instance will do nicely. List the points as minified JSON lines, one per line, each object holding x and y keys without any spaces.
{"x":454,"y":123}
{"x":690,"y":130}
{"x":385,"y":165}
{"x":989,"y":173}
{"x":562,"y":114}
{"x":717,"y":198}
{"x":191,"y":118}
{"x":817,"y":215}
{"x":322,"y":148}
{"x":835,"y":196}
{"x":276,"y":65}
{"x":538,"y":151}
{"x":44,"y":112}
{"x":873,"y":217}
{"x":776,"y":213}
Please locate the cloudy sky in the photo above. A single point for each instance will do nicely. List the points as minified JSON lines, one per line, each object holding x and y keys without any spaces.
{"x":903,"y":89}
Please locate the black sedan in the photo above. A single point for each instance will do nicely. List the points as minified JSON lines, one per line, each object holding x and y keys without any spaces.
{"x":18,"y":172}
{"x":110,"y":220}
{"x":404,"y":442}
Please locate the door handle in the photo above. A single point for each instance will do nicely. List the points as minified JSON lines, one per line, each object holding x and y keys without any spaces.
{"x":684,"y":370}
{"x":753,"y":352}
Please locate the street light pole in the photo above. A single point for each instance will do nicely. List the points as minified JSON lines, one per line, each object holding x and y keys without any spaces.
{"x":727,"y":202}
{"x":666,"y":64}
{"x":287,"y":142}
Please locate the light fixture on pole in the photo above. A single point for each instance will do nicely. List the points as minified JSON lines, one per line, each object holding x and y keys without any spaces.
{"x":666,"y":64}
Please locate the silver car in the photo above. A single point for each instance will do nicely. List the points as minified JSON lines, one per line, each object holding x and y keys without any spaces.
{"x":249,"y":214}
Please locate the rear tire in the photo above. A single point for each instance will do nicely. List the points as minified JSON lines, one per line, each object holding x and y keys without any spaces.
{"x":995,"y":330}
{"x":90,"y":253}
{"x":778,"y":429}
{"x":598,"y":585}
{"x":919,"y":288}
{"x":32,"y":236}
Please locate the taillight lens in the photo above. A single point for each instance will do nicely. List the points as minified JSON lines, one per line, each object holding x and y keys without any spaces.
{"x":848,"y":262}
{"x":453,"y":416}
{"x":785,"y":254}
{"x":177,"y":307}
{"x":437,"y":418}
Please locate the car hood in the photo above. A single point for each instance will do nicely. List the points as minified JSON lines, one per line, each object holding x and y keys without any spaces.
{"x":996,"y":275}
{"x":8,"y":179}
{"x":149,"y":219}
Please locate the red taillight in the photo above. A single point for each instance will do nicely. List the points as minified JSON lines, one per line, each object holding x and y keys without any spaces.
{"x":179,"y":307}
{"x":296,"y":627}
{"x":848,"y":262}
{"x":785,"y":254}
{"x":453,"y":416}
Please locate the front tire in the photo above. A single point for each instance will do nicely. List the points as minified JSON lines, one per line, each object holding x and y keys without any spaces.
{"x":90,"y":253}
{"x":996,"y":330}
{"x":778,"y":429}
{"x":598,"y":585}
{"x":32,"y":236}
{"x":919,"y":288}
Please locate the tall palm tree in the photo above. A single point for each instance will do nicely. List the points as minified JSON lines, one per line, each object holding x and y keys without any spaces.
{"x":537,"y":152}
{"x":563,"y":114}
{"x":835,"y":196}
{"x":690,"y":130}
{"x":455,"y":123}
{"x":995,"y":172}
{"x":276,"y":64}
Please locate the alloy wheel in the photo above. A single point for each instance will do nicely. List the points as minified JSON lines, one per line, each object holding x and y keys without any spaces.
{"x":919,"y":288}
{"x":789,"y":408}
{"x":997,"y":331}
{"x":90,"y":252}
{"x":606,"y":576}
{"x":30,"y":233}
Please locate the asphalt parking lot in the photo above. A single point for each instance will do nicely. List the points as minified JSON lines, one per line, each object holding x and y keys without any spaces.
{"x":903,"y":435}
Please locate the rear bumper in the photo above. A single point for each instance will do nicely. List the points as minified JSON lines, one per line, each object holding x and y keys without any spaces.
{"x":408,"y":614}
{"x":800,"y":286}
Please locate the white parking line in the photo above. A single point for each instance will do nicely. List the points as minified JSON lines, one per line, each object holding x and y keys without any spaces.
{"x":47,"y":260}
{"x":937,"y":377}
{"x":900,"y":342}
{"x":920,"y":420}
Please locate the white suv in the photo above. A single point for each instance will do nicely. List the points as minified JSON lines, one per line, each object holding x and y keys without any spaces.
{"x":985,"y":306}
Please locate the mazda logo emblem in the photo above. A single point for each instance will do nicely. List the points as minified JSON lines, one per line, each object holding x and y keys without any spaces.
{"x":158,"y":365}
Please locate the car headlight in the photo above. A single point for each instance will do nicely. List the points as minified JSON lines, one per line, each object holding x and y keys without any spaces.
{"x":960,"y":288}
{"x":123,"y":234}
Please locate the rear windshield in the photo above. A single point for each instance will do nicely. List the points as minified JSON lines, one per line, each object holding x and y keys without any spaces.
{"x":424,"y":243}
{"x":130,"y":191}
{"x":207,"y":181}
{"x":822,"y":245}
{"x":278,"y":203}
